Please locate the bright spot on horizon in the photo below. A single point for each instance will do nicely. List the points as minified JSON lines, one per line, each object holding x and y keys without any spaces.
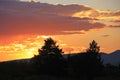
{"x":29,"y":0}
{"x":32,"y":0}
{"x":45,"y":37}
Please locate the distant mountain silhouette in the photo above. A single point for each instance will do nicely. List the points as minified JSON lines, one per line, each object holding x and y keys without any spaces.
{"x":26,"y":61}
{"x":112,"y":58}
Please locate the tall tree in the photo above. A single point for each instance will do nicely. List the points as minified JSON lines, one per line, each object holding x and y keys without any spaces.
{"x":94,"y":49}
{"x":93,"y":60}
{"x":50,"y":59}
{"x":50,"y":47}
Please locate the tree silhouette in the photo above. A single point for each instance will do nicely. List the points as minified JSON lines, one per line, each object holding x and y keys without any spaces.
{"x":50,"y":47}
{"x":94,"y":48}
{"x":50,"y":59}
{"x":94,"y":60}
{"x":87,"y":64}
{"x":93,"y":52}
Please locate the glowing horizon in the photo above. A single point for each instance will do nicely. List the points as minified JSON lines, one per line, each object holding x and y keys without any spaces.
{"x":24,"y":26}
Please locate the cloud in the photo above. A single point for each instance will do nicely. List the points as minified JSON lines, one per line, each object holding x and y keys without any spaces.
{"x":115,"y":26}
{"x":68,"y":49}
{"x":109,"y":18}
{"x":93,"y":13}
{"x":18,"y":18}
{"x":116,"y":21}
{"x":105,"y":35}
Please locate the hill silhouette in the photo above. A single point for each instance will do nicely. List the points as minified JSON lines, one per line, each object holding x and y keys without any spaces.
{"x":112,"y":58}
{"x":115,"y":60}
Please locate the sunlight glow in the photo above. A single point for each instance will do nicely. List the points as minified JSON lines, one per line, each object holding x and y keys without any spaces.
{"x":44,"y":37}
{"x":32,"y":0}
{"x":29,"y":0}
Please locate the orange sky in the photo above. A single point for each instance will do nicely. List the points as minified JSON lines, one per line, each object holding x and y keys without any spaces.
{"x":24,"y":26}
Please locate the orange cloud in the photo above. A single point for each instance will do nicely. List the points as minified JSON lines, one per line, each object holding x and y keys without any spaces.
{"x":106,"y":17}
{"x":93,"y":13}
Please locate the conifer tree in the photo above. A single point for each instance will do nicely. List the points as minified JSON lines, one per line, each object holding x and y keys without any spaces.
{"x":50,"y":47}
{"x":93,"y":60}
{"x":94,"y":47}
{"x":50,"y":59}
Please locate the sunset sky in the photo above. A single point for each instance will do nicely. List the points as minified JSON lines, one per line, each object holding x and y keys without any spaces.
{"x":25,"y":24}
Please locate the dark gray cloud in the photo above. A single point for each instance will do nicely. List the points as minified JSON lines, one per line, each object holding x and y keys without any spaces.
{"x":42,"y":18}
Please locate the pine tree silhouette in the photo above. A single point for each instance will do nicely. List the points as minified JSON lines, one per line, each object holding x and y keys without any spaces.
{"x":94,"y":48}
{"x":50,"y":59}
{"x":94,"y":60}
{"x":50,"y":47}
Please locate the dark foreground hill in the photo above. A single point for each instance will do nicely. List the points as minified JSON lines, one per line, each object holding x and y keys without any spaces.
{"x":24,"y":70}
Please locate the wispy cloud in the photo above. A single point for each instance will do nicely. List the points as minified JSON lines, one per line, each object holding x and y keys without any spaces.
{"x":116,"y":21}
{"x":93,"y":13}
{"x":105,"y":35}
{"x":115,"y":26}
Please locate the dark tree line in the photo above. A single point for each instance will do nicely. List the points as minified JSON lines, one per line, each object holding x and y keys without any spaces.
{"x":82,"y":65}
